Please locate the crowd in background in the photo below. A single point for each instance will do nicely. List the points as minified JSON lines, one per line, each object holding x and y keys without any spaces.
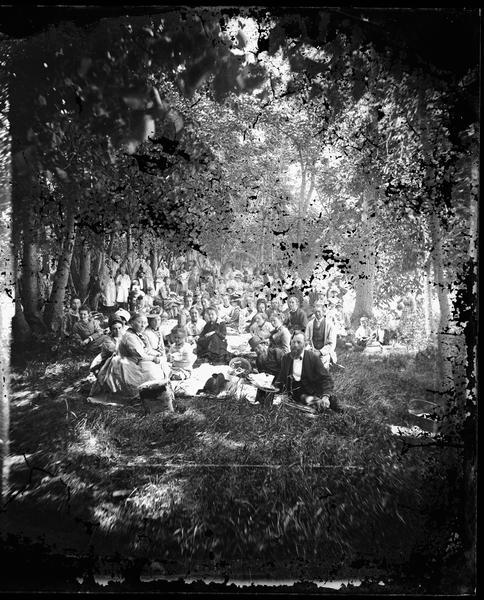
{"x":175,"y":319}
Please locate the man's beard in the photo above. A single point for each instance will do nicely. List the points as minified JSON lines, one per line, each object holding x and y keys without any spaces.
{"x":296,"y":353}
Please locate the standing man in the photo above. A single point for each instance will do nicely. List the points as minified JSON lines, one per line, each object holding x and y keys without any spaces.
{"x":303,"y":377}
{"x":296,"y":318}
{"x":321,"y":335}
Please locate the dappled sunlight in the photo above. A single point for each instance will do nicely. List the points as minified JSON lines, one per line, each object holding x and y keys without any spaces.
{"x":244,"y":244}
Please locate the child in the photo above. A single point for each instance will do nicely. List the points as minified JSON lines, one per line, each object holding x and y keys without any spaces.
{"x":180,"y":354}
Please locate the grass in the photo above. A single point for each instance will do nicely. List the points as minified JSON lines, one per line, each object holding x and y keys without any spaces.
{"x":224,"y":487}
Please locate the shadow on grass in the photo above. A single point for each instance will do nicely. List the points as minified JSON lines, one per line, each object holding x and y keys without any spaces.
{"x":225,"y":486}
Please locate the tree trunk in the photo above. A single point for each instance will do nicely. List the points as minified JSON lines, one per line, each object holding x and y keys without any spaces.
{"x":30,"y":271}
{"x":427,"y":300}
{"x":55,"y":307}
{"x":365,"y":276}
{"x":301,"y":201}
{"x":445,"y":382}
{"x":21,"y":330}
{"x":84,"y":271}
{"x":154,"y":261}
{"x":4,"y":406}
{"x":470,"y":428}
{"x":444,"y":337}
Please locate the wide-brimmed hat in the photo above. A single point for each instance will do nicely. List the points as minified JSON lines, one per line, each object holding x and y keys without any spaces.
{"x":155,"y":311}
{"x":124,"y":314}
{"x":115,"y":319}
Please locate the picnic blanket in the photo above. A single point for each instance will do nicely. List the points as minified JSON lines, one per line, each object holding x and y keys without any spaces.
{"x":237,"y":387}
{"x":167,"y":326}
{"x":198,"y":378}
{"x":238,"y":343}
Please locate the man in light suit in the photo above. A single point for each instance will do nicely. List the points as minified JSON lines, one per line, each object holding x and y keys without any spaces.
{"x":303,"y":377}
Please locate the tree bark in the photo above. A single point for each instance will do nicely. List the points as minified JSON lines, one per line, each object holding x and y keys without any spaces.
{"x":470,"y":426}
{"x":55,"y":307}
{"x":427,"y":300}
{"x":302,"y":196}
{"x":365,"y":276}
{"x":445,"y":382}
{"x":444,"y":336}
{"x":84,"y":271}
{"x":30,"y":275}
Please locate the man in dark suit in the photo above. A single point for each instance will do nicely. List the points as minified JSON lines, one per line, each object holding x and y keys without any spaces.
{"x":303,"y":376}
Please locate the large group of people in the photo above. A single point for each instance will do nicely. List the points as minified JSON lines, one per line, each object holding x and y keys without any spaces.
{"x":160,"y":328}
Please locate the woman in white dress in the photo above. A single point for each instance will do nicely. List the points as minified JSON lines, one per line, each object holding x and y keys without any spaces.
{"x":123,"y":284}
{"x":133,"y":364}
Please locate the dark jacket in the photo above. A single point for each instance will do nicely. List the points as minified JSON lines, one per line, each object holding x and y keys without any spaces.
{"x":315,"y":379}
{"x":296,"y":321}
{"x":213,"y":346}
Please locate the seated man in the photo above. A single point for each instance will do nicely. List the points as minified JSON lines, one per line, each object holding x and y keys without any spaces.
{"x":303,"y":377}
{"x":296,"y":318}
{"x":87,"y":332}
{"x":180,"y":355}
{"x":212,"y":342}
{"x":321,"y":335}
{"x":363,"y":334}
{"x":71,"y":317}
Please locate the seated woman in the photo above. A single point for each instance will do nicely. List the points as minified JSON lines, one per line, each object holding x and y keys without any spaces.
{"x":180,"y":355}
{"x":212,"y":343}
{"x":247,"y":314}
{"x":270,"y":351}
{"x":232,"y":319}
{"x":260,"y":330}
{"x":153,"y":334}
{"x":110,"y":344}
{"x":133,"y":364}
{"x":87,"y":332}
{"x":224,"y":310}
{"x":260,"y":307}
{"x":205,"y":305}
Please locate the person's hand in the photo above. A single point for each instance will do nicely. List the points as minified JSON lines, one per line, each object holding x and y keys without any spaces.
{"x":156,"y":360}
{"x":325,"y":402}
{"x":86,"y":341}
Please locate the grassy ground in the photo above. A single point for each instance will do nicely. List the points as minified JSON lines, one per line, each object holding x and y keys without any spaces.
{"x":221,"y":487}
